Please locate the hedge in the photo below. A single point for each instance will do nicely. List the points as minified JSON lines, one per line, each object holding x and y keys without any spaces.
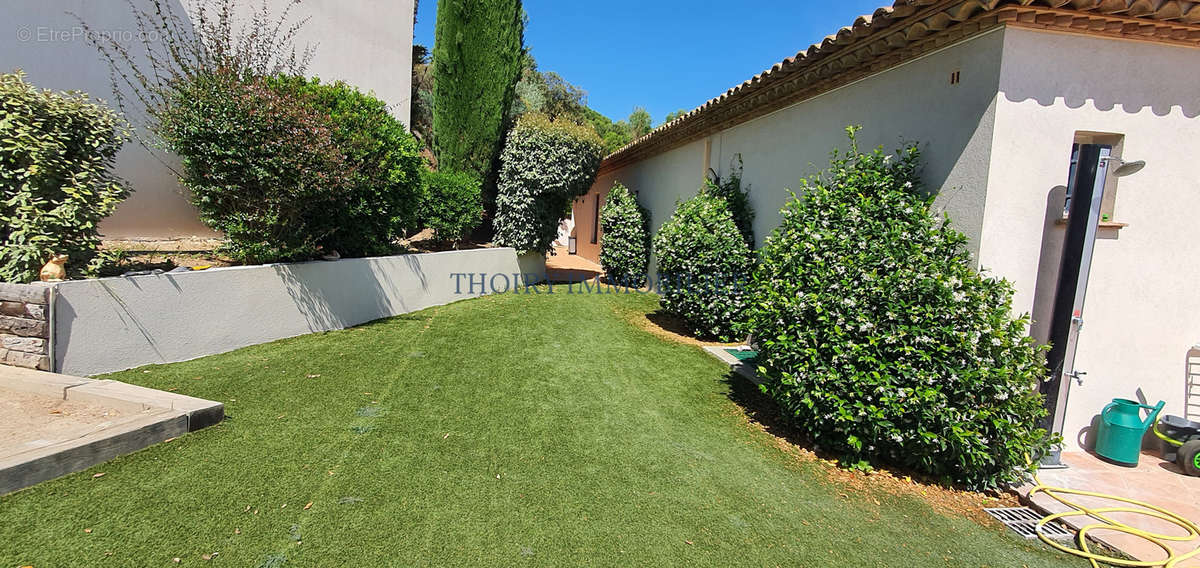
{"x":704,"y":267}
{"x":880,"y":340}
{"x":625,"y":248}
{"x":545,"y":166}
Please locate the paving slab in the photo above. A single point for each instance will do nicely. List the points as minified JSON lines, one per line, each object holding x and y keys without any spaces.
{"x":1153,"y":481}
{"x":40,"y":382}
{"x":35,"y":465}
{"x":747,"y":370}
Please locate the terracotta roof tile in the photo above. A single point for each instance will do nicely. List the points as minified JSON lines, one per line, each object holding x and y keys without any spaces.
{"x":907,"y":28}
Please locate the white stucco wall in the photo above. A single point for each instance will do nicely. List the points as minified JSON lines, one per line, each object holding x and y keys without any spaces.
{"x":997,"y":147}
{"x":367,"y":43}
{"x":118,"y":323}
{"x":911,"y":102}
{"x":1142,"y":314}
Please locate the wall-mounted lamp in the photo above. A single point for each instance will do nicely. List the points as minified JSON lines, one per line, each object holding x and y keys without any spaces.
{"x":1124,"y":168}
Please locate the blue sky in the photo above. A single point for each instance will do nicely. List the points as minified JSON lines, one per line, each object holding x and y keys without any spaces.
{"x":667,"y":54}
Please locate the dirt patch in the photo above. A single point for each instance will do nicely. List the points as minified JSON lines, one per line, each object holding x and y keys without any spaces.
{"x":31,"y":420}
{"x":666,"y":326}
{"x":424,"y":241}
{"x":138,"y":255}
{"x":181,"y":244}
{"x":760,"y":413}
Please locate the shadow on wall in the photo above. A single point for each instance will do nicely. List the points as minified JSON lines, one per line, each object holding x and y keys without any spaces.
{"x":1054,"y":232}
{"x":118,"y":323}
{"x":1111,"y":75}
{"x":334,"y":295}
{"x":1163,"y":107}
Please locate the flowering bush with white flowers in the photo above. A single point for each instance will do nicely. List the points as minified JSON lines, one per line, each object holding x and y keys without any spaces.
{"x":704,"y":267}
{"x":626,"y":226}
{"x":879,"y":339}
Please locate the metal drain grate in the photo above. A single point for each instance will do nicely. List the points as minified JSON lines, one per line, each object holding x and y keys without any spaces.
{"x":1024,"y":520}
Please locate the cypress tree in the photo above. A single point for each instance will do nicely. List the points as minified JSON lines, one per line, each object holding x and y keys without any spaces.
{"x":477,"y":56}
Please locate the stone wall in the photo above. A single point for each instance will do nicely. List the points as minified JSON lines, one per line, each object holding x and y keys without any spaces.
{"x":25,"y":325}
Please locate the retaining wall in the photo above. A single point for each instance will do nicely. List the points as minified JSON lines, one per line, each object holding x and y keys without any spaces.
{"x":110,"y":324}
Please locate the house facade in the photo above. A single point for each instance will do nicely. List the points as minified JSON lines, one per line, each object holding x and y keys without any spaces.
{"x":1000,"y":96}
{"x":367,"y":43}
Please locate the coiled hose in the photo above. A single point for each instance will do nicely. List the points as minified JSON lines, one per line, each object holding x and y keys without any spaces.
{"x":1173,"y":558}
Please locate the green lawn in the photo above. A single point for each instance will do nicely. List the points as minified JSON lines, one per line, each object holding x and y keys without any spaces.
{"x":509,"y":430}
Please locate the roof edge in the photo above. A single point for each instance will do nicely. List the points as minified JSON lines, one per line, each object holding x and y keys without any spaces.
{"x":899,"y":33}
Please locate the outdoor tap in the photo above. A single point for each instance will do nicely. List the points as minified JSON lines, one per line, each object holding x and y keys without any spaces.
{"x":1078,"y":376}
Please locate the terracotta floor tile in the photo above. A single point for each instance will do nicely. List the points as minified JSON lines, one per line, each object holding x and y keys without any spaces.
{"x":1153,"y":481}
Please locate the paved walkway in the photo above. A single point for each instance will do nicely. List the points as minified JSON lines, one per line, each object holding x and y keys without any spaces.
{"x":1153,"y":481}
{"x":564,"y":267}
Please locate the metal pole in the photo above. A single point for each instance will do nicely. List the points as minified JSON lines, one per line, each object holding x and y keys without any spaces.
{"x":1067,"y":320}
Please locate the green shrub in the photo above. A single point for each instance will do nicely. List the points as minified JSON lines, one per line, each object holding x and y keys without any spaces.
{"x":545,"y":166}
{"x":626,"y":247}
{"x":478,"y":53}
{"x":703,"y":267}
{"x":287,"y":167}
{"x":451,"y":204}
{"x":261,"y":164}
{"x":880,"y":340}
{"x":730,"y":189}
{"x":56,"y":156}
{"x":382,"y":160}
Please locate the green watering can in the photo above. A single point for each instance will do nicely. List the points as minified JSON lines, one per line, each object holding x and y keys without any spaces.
{"x":1119,"y":437}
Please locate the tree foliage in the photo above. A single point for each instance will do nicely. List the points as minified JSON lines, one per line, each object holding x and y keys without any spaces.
{"x":880,"y":340}
{"x":261,"y":166}
{"x":477,"y":58}
{"x":421,"y":96}
{"x":730,"y":189}
{"x":451,"y":204}
{"x":626,"y":227}
{"x":545,"y":166}
{"x":640,"y":123}
{"x":56,"y":156}
{"x":382,"y":161}
{"x":674,"y":115}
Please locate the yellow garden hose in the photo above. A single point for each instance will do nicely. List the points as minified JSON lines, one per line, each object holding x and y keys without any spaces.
{"x":1173,"y":558}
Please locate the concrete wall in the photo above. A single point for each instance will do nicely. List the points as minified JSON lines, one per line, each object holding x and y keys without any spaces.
{"x":365,"y":42}
{"x":912,"y":102}
{"x":1142,"y":314}
{"x":118,"y":323}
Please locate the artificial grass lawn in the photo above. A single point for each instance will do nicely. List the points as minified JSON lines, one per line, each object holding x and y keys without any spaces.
{"x":507,"y":430}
